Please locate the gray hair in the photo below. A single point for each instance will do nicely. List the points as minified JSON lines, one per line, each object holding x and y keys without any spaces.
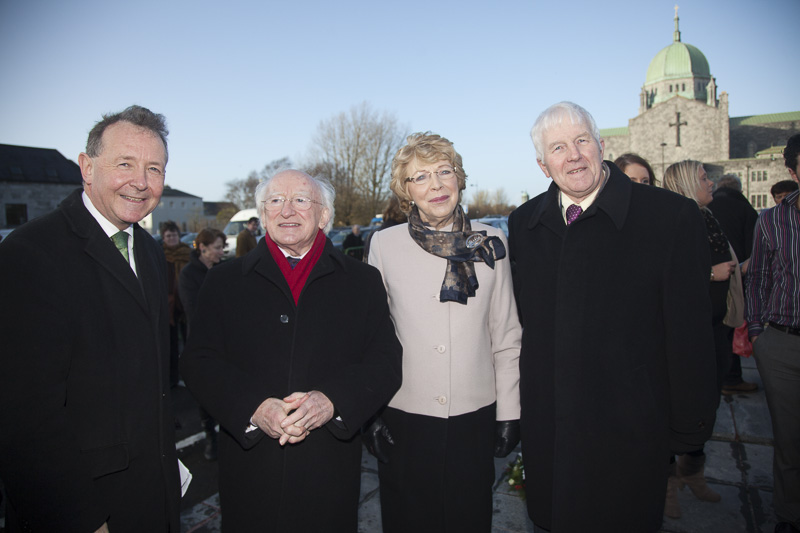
{"x":136,"y":115}
{"x":730,"y":181}
{"x":324,"y":188}
{"x":555,"y":115}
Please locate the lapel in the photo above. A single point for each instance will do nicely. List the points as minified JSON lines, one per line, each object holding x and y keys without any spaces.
{"x":100,"y":248}
{"x":548,"y":213}
{"x":148,"y":267}
{"x":614,"y":199}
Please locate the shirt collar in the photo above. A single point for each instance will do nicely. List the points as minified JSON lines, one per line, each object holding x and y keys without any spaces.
{"x":564,"y":201}
{"x":109,"y":228}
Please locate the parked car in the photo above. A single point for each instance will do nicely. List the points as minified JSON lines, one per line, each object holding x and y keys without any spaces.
{"x":497,"y":221}
{"x":189,"y":238}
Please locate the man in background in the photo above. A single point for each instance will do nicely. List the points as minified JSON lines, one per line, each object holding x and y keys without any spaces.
{"x":246,"y":240}
{"x":773,"y":316}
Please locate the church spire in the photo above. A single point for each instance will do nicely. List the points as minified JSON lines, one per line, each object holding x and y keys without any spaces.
{"x":676,"y":36}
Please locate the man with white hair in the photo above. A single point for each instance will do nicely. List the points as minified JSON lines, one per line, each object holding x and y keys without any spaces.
{"x":273,"y":356}
{"x":617,"y":363}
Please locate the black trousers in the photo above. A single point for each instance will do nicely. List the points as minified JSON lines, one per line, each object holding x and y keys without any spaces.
{"x":440,"y":473}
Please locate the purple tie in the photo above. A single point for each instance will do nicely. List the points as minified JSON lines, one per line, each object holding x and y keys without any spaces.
{"x":573,"y":212}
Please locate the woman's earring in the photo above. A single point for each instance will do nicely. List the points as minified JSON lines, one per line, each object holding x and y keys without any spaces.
{"x":411,"y":202}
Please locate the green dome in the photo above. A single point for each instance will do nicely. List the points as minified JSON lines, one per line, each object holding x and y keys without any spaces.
{"x":678,"y":60}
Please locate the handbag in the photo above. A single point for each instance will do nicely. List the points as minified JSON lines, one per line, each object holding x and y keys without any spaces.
{"x":741,"y":341}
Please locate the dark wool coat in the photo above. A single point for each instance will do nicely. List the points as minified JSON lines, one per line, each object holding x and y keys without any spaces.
{"x":737,"y":218}
{"x":617,"y":366}
{"x":249,"y":342}
{"x":86,"y":425}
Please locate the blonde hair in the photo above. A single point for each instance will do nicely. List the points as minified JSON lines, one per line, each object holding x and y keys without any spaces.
{"x":427,"y":148}
{"x":683,"y":178}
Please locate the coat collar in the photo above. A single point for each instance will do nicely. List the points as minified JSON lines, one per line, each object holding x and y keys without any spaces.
{"x":262,"y":262}
{"x":100,"y":248}
{"x":614,"y":200}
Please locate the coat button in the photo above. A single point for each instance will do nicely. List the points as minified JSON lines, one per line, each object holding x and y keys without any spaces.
{"x":284,"y":319}
{"x":441,"y":348}
{"x":442,"y":399}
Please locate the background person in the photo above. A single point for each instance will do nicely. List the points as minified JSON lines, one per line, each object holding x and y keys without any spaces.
{"x":293,"y":350}
{"x":636,"y":168}
{"x":246,"y":240}
{"x":688,"y":178}
{"x":177,"y":254}
{"x":452,"y":302}
{"x":616,"y":365}
{"x":780,"y":190}
{"x":353,"y":244}
{"x":209,"y":248}
{"x":773,"y":316}
{"x":87,"y":441}
{"x":737,"y":218}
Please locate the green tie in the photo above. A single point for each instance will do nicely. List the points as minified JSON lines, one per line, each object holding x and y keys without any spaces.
{"x":121,"y":242}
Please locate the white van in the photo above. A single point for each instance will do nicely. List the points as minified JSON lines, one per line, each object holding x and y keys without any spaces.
{"x":235,"y":226}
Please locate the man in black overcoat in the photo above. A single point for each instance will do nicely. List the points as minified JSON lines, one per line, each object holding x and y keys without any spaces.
{"x":617,"y":365}
{"x":292,"y":350}
{"x":86,"y":431}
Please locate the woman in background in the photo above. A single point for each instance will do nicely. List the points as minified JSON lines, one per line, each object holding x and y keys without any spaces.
{"x":209,"y":247}
{"x":177,"y":254}
{"x":636,"y":168}
{"x":689,"y":179}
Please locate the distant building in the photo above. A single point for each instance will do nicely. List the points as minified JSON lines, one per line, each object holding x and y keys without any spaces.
{"x":183,"y":208}
{"x":682,"y":117}
{"x":33,"y":181}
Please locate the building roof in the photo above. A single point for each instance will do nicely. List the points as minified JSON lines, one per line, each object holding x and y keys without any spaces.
{"x":751,"y":120}
{"x":613,"y":132}
{"x":210,"y":209}
{"x":169,"y":191}
{"x":678,"y":60}
{"x":26,"y":164}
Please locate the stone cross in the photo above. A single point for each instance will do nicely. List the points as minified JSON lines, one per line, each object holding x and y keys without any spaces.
{"x":678,"y":125}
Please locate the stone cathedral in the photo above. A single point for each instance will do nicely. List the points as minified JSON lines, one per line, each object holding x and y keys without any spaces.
{"x":681,"y":116}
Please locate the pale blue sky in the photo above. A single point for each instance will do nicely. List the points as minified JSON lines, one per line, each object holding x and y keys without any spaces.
{"x":245,"y":83}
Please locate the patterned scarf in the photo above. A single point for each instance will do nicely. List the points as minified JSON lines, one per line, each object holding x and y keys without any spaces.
{"x":716,"y":237}
{"x":460,"y":247}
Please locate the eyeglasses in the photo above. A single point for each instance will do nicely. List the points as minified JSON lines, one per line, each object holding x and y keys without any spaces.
{"x":300,"y":203}
{"x":422,"y":177}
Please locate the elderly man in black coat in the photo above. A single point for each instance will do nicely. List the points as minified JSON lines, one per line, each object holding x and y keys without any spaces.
{"x":274,"y":356}
{"x":87,"y":441}
{"x":617,"y":365}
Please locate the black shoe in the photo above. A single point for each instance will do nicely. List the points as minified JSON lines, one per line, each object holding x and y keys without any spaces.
{"x":786,"y":527}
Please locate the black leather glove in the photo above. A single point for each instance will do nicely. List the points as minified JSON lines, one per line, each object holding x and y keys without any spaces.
{"x":506,"y":437}
{"x":377,"y":438}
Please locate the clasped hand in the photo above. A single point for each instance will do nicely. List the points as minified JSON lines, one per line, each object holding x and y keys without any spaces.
{"x":292,"y":418}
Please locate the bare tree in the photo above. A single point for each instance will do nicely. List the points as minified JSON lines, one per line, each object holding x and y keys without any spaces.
{"x":354,"y":150}
{"x":242,"y":191}
{"x":484,"y":203}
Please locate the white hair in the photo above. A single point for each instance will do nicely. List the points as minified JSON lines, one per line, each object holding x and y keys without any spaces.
{"x":324,"y":188}
{"x":555,"y":115}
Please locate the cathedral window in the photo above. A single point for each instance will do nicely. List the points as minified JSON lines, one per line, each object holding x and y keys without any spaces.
{"x":683,"y":86}
{"x":670,"y":88}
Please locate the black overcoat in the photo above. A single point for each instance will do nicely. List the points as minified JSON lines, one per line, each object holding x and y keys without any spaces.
{"x":86,"y":425}
{"x":249,"y":342}
{"x":617,"y":367}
